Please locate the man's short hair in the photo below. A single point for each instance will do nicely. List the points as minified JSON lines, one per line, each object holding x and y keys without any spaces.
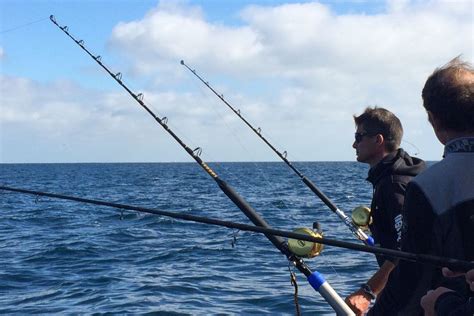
{"x":381,"y":121}
{"x":449,"y":95}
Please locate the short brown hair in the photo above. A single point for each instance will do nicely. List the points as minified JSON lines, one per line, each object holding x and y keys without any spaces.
{"x":449,"y":95}
{"x":381,"y":121}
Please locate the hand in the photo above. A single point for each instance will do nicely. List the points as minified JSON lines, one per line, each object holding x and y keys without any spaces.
{"x":359,"y":302}
{"x":470,"y":279}
{"x":428,"y":301}
{"x":469,"y":276}
{"x":451,"y":274}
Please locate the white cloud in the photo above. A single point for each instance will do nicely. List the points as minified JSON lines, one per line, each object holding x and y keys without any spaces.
{"x":168,"y":33}
{"x":92,"y":125}
{"x":320,"y":67}
{"x":299,"y":40}
{"x":2,"y":53}
{"x":306,"y":43}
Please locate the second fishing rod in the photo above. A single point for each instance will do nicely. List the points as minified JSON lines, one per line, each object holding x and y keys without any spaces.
{"x":356,"y":230}
{"x":453,"y":264}
{"x":315,"y":279}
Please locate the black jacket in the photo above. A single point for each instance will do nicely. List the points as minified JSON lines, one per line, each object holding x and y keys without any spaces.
{"x":454,"y":304}
{"x":390,"y":178}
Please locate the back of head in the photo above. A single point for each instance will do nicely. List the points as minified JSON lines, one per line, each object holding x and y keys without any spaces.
{"x":449,"y":95}
{"x":381,"y":121}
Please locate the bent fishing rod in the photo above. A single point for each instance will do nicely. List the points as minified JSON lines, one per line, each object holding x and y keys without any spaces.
{"x":453,"y":264}
{"x":357,"y":231}
{"x":315,"y":279}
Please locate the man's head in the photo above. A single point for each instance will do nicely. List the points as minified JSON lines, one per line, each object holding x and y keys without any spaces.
{"x":379,"y":132}
{"x":448,"y":97}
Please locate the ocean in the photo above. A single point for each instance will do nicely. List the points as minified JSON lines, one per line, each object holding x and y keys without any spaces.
{"x":64,"y":257}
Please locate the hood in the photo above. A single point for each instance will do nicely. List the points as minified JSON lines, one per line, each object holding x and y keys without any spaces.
{"x":397,"y":163}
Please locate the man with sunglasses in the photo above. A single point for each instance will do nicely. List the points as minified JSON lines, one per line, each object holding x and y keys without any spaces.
{"x":438,"y":216}
{"x":377,"y":143}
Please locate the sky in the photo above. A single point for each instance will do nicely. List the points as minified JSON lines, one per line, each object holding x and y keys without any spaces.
{"x":299,"y":70}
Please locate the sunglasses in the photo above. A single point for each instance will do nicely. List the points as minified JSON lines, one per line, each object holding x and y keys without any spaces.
{"x":359,"y":136}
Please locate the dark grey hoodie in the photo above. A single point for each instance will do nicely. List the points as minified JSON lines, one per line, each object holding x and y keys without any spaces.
{"x":438,"y":219}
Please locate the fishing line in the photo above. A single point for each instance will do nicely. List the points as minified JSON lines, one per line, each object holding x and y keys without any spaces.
{"x":417,"y":150}
{"x":201,"y":92}
{"x":453,"y":264}
{"x":315,"y":279}
{"x":212,"y":157}
{"x":199,"y":139}
{"x":358,"y":233}
{"x":232,"y":131}
{"x":21,"y":26}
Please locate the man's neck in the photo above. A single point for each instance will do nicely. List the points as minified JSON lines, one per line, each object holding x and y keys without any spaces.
{"x":449,"y":135}
{"x":378,"y":158}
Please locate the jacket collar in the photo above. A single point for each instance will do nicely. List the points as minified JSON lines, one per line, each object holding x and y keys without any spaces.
{"x":459,"y":145}
{"x":377,"y":171}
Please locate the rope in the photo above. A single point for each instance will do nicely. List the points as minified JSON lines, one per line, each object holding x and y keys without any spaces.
{"x":295,"y":285}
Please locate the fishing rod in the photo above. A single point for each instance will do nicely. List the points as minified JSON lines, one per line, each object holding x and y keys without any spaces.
{"x":315,"y":279}
{"x":356,"y":230}
{"x":453,"y":264}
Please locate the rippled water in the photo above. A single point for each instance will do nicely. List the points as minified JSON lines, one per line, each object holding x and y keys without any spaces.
{"x":59,"y":256}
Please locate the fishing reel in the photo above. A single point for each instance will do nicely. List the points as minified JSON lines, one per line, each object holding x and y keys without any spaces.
{"x":303,"y":248}
{"x":361,"y":217}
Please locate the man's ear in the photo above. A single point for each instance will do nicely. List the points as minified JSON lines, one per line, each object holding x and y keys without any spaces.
{"x":379,"y":139}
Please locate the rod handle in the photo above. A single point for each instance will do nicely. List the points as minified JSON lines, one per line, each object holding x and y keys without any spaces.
{"x":318,"y":282}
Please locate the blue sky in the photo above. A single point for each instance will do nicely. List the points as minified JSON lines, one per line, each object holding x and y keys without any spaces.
{"x":298,"y":69}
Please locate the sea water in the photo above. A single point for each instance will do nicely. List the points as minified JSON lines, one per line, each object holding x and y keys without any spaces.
{"x":64,"y":257}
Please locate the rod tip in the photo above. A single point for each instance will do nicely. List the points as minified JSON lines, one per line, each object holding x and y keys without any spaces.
{"x":182,"y":62}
